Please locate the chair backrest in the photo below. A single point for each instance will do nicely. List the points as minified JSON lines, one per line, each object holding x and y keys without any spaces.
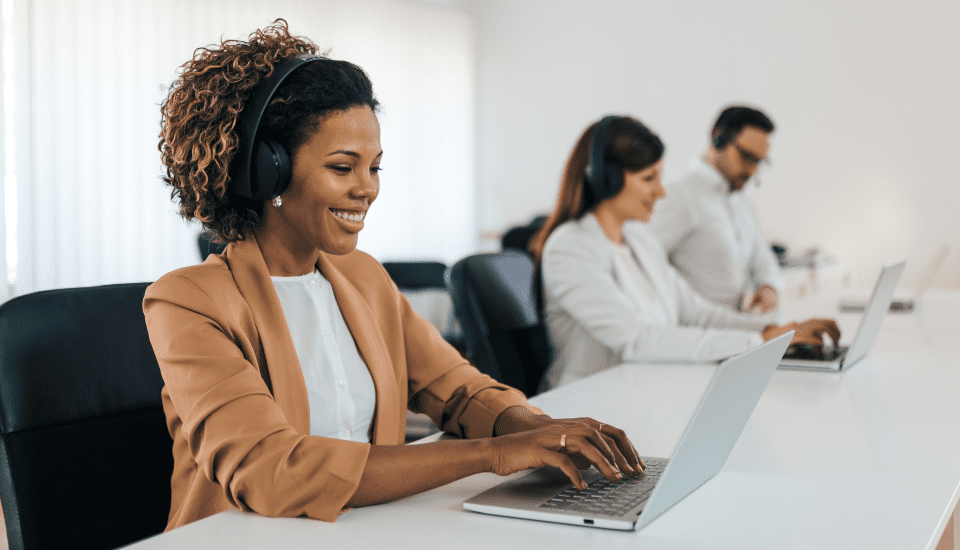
{"x":417,"y":274}
{"x":518,"y":238}
{"x":494,"y":297}
{"x":424,"y":284}
{"x":85,"y":456}
{"x":207,"y":247}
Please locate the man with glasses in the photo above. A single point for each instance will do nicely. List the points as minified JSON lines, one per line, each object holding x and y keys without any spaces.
{"x":708,"y":227}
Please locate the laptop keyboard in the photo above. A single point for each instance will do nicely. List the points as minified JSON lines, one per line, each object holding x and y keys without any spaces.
{"x":608,"y":498}
{"x":806,"y":351}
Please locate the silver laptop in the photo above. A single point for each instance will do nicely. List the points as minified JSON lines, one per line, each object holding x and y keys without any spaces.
{"x":901,"y":304}
{"x":547,"y":495}
{"x":839,"y":357}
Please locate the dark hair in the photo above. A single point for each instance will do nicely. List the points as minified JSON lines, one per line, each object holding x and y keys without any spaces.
{"x":734,"y":119}
{"x":197,"y":132}
{"x":630,"y":145}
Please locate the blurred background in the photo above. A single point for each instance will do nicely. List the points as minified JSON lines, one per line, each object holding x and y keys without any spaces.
{"x":482,"y":102}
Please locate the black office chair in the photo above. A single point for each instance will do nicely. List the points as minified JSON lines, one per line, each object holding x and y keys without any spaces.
{"x":494,"y":296}
{"x":518,"y":238}
{"x":417,"y":274}
{"x":426,"y":275}
{"x":207,"y":246}
{"x":85,"y":456}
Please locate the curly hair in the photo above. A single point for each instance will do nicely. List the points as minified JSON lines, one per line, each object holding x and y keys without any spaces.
{"x":197,"y":132}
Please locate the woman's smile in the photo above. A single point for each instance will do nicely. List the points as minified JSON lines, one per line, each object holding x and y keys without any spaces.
{"x":352,"y":216}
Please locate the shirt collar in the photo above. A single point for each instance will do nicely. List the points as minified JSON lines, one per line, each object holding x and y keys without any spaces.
{"x":710,"y":175}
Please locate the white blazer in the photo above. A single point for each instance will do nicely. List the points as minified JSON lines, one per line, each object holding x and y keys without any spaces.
{"x":597,"y":318}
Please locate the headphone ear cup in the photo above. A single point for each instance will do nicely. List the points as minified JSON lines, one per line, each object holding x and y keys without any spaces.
{"x":599,"y":171}
{"x":271,"y":170}
{"x":718,"y":141}
{"x":614,"y":183}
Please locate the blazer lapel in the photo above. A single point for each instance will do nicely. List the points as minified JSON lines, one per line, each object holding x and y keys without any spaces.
{"x":286,"y":375}
{"x":653,"y":266}
{"x":600,"y":239}
{"x":390,"y":416}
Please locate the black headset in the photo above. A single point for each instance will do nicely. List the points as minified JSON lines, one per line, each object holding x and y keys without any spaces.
{"x":261,"y":168}
{"x":724,"y":134}
{"x":604,"y":177}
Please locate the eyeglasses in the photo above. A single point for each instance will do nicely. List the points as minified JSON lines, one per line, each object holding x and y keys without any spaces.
{"x":762,"y":164}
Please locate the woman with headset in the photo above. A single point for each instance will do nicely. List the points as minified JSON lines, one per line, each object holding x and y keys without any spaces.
{"x":609,"y":294}
{"x":289,"y":360}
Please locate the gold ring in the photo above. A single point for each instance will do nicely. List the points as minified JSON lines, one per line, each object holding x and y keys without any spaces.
{"x":600,"y":429}
{"x":563,"y":441}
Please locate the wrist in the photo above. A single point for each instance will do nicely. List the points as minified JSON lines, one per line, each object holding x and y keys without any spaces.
{"x":772,"y":331}
{"x":485,"y":456}
{"x":517,"y":419}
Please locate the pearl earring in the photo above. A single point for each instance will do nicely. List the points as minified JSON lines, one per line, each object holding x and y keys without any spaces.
{"x":277,"y":201}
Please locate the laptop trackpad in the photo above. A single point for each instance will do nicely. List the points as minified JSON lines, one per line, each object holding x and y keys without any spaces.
{"x":531,"y":489}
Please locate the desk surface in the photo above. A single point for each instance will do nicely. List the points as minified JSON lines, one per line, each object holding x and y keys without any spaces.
{"x":866,"y":458}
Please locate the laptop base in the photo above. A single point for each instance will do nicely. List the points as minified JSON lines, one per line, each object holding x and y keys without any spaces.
{"x":532,"y":493}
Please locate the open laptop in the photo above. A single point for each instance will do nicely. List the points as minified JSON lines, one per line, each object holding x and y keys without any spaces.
{"x":835,"y":358}
{"x":546,"y":494}
{"x":906,"y":304}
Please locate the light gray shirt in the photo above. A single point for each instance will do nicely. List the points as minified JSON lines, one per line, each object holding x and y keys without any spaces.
{"x":712,"y":237}
{"x":597,"y":315}
{"x":339,"y":386}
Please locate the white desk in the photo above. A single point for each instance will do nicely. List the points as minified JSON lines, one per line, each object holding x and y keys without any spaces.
{"x":867,"y":458}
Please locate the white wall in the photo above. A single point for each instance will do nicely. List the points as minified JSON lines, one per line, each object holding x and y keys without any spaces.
{"x":865,"y":94}
{"x":92,"y":73}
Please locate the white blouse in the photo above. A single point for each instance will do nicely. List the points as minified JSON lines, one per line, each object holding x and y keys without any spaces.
{"x":339,"y":387}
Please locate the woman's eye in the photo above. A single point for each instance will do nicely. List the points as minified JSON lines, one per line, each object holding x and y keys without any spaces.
{"x":375,"y":169}
{"x":340,"y":168}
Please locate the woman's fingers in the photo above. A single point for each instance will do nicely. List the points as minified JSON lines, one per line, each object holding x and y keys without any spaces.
{"x":626,"y":449}
{"x":589,"y":442}
{"x":622,"y":451}
{"x":830,"y":327}
{"x":586,"y":447}
{"x":621,"y":461}
{"x":563,"y":462}
{"x":812,"y":331}
{"x":600,"y":443}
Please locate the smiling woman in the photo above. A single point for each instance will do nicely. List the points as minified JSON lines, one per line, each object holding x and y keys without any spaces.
{"x":290,"y":358}
{"x":336,"y":177}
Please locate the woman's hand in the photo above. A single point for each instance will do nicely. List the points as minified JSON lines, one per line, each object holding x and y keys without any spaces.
{"x":810,"y":332}
{"x":764,"y":300}
{"x":612,"y":443}
{"x":562,"y":447}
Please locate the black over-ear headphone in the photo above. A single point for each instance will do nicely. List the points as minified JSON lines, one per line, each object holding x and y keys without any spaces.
{"x":722,"y":128}
{"x":605,"y":178}
{"x":261,"y":168}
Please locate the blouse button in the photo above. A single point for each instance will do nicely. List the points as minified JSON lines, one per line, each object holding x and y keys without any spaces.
{"x":342,"y":383}
{"x":313,"y":283}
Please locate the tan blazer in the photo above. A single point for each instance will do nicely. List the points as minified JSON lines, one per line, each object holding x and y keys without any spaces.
{"x":235,"y":398}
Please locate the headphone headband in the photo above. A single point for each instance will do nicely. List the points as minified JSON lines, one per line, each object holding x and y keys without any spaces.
{"x":261,"y":169}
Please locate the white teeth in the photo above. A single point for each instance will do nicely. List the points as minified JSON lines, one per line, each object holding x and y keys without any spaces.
{"x":349,"y":216}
